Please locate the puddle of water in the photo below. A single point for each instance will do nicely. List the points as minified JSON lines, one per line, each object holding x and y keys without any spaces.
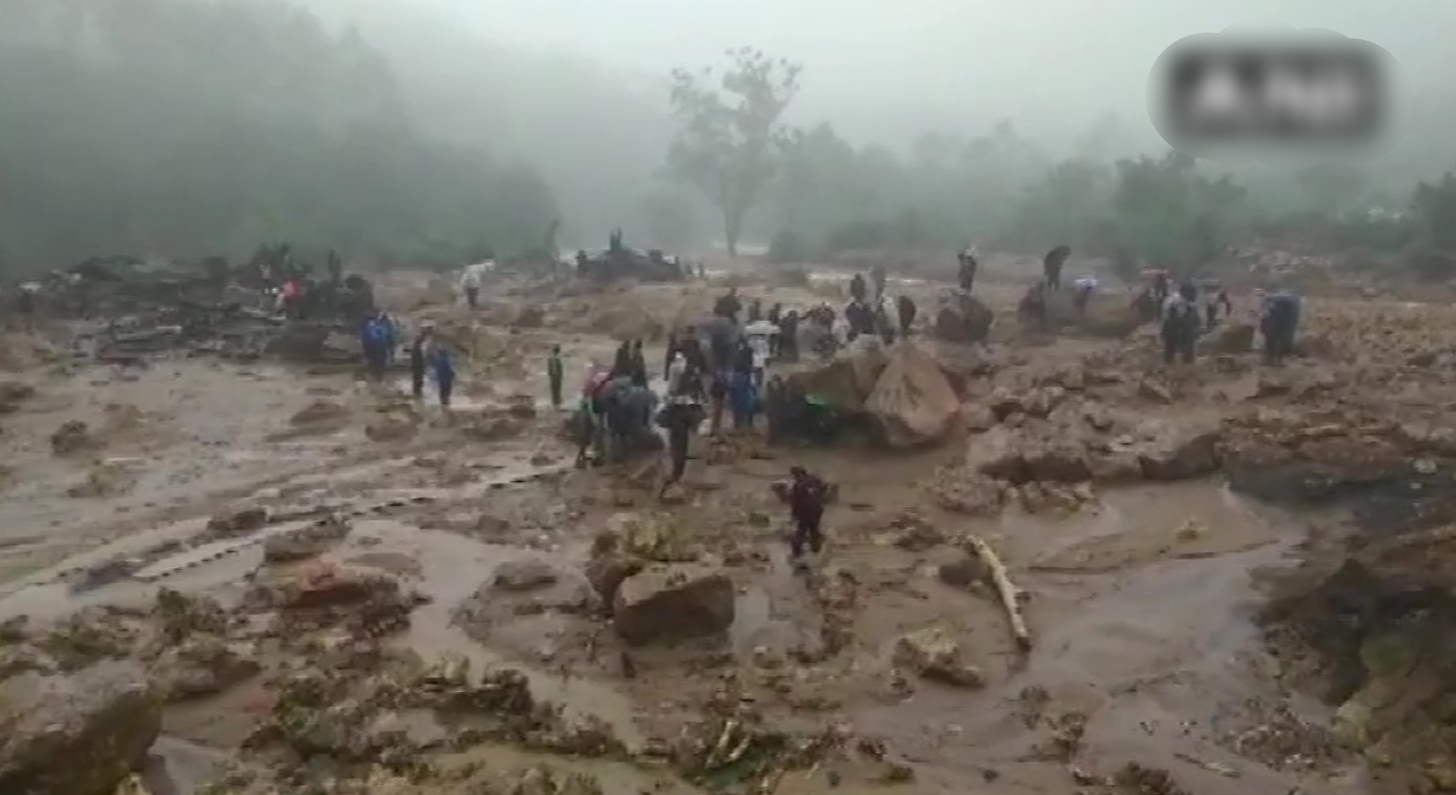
{"x":452,"y":567}
{"x":181,"y":767}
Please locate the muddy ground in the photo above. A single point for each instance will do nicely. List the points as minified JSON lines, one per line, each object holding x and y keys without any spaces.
{"x":310,"y":584}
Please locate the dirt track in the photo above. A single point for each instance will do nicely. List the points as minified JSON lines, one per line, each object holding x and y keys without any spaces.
{"x":1141,"y":596}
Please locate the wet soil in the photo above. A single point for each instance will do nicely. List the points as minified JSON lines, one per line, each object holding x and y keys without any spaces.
{"x":1141,"y":603}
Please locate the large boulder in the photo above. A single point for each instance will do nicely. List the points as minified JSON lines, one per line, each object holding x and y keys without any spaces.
{"x":673,"y":602}
{"x":845,"y":381}
{"x":76,"y":735}
{"x":913,"y":402}
{"x":1230,"y":339}
{"x":961,"y":318}
{"x":1179,"y":450}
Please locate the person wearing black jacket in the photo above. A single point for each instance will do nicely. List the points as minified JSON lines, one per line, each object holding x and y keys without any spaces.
{"x":807,"y":495}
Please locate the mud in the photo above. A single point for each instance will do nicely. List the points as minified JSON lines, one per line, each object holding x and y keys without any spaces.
{"x":449,"y":598}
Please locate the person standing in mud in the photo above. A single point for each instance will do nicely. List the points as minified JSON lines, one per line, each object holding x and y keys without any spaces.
{"x":905,"y":308}
{"x":788,"y":337}
{"x":966,"y":273}
{"x":25,"y":308}
{"x":1082,"y":290}
{"x":1279,"y":324}
{"x":377,"y":340}
{"x":857,"y":288}
{"x":470,"y":285}
{"x":419,"y":360}
{"x":806,"y":495}
{"x":1051,"y":266}
{"x":622,"y":361}
{"x":1180,"y":325}
{"x":555,"y":373}
{"x":682,"y":414}
{"x":1218,"y":300}
{"x":443,"y":365}
{"x":878,"y":277}
{"x":637,"y":369}
{"x":755,"y":310}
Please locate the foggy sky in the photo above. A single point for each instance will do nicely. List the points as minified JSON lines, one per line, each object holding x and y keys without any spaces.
{"x":880,"y":69}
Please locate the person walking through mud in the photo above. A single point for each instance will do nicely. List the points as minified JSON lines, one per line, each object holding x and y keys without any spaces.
{"x":857,"y":288}
{"x":878,"y":277}
{"x":788,"y":337}
{"x":806,"y":495}
{"x":680,"y":416}
{"x":1051,"y":266}
{"x":622,"y":361}
{"x":419,"y":360}
{"x":1181,"y":324}
{"x":555,"y":372}
{"x":905,"y":308}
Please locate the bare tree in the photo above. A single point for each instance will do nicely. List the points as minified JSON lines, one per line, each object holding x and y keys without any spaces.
{"x":729,"y":141}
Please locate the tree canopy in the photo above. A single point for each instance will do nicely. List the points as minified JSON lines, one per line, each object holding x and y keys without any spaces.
{"x":182,"y":128}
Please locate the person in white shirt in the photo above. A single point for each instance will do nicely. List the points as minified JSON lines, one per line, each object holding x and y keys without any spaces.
{"x":470,"y":285}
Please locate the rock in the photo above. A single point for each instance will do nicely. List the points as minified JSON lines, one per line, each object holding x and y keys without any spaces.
{"x":933,"y":655}
{"x":652,"y":536}
{"x":12,"y":394}
{"x":391,"y":429}
{"x":306,"y":542}
{"x":236,"y":523}
{"x":912,"y":402}
{"x":978,"y":418}
{"x":1117,"y":465}
{"x":969,"y":492}
{"x":673,"y":602}
{"x":530,"y":317}
{"x":606,"y":574}
{"x":1231,"y":339}
{"x":72,"y":437}
{"x":202,"y":666}
{"x":964,"y":571}
{"x":76,"y":735}
{"x":1155,"y":391}
{"x":915,"y":534}
{"x":320,"y":412}
{"x":1179,"y":451}
{"x":961,"y":318}
{"x":526,"y":574}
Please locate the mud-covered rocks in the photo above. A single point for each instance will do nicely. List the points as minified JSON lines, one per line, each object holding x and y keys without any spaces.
{"x":672,"y":602}
{"x":961,"y":318}
{"x":177,"y":616}
{"x":648,"y":535}
{"x":76,"y":735}
{"x":525,"y":574}
{"x":370,"y":602}
{"x":320,"y":415}
{"x":392,"y":428}
{"x":306,"y":542}
{"x":74,"y":436}
{"x":237,"y":522}
{"x":913,"y":403}
{"x":1229,"y":339}
{"x":935,"y":656}
{"x":13,"y":394}
{"x":201,"y":666}
{"x":1178,"y":450}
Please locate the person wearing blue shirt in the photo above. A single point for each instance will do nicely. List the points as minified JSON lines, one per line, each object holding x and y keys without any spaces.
{"x":443,"y":366}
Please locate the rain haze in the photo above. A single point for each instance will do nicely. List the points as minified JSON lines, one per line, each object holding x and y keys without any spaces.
{"x":714,"y":397}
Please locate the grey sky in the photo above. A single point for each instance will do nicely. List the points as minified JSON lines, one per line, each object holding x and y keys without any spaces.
{"x":870,"y":63}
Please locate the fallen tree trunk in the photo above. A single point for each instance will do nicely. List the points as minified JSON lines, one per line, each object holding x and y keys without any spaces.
{"x":1005,"y":588}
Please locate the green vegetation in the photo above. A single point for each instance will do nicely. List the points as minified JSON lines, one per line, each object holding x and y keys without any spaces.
{"x":187,"y":129}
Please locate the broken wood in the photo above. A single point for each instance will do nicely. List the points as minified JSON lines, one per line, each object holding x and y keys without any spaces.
{"x":1005,"y":588}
